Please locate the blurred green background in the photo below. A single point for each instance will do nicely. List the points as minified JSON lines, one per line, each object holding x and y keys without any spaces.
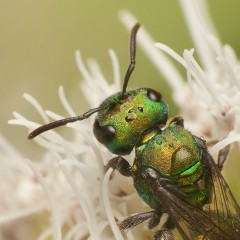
{"x":39,"y":38}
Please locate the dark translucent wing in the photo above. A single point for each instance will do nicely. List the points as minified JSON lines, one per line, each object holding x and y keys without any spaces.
{"x":219,"y":220}
{"x":223,"y":207}
{"x":190,"y":221}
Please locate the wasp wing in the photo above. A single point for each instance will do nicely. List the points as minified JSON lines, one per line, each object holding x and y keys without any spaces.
{"x":223,"y":208}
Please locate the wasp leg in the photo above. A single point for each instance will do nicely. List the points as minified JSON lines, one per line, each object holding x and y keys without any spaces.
{"x":178,"y":120}
{"x":164,"y":234}
{"x":121,"y":164}
{"x":154,"y":221}
{"x":138,"y":218}
{"x":222,"y":157}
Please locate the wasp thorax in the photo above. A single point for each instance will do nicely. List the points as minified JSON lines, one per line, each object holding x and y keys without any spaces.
{"x":128,"y":117}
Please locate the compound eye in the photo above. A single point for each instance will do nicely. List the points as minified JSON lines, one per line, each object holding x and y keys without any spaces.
{"x":154,"y":95}
{"x":104,"y":134}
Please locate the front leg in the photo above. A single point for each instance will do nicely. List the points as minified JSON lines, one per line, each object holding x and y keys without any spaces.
{"x":121,"y":164}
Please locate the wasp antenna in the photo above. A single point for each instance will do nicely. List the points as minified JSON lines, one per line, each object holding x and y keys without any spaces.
{"x":64,"y":121}
{"x":132,"y":56}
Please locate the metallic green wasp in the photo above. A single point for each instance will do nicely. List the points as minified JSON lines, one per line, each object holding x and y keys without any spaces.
{"x":173,"y":171}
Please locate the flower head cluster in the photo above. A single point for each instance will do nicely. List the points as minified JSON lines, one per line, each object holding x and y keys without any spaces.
{"x":208,"y":96}
{"x":67,"y":194}
{"x":69,"y":184}
{"x":209,"y":99}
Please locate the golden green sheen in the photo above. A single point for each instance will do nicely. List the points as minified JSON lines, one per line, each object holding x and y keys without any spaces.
{"x":171,"y":152}
{"x":131,"y":116}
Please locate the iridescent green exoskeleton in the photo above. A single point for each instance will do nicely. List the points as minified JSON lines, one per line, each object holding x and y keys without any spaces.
{"x":173,"y":171}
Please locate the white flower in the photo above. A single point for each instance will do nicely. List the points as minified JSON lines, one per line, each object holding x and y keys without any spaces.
{"x":65,"y":194}
{"x":74,"y":191}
